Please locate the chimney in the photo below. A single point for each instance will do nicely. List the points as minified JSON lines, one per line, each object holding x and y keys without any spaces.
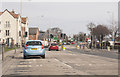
{"x":13,"y":11}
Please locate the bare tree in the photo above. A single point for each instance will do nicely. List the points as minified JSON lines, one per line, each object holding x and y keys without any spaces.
{"x":100,"y":31}
{"x":114,"y":28}
{"x":81,"y":36}
{"x":90,"y":26}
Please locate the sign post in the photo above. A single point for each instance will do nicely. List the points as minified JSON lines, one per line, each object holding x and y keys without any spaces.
{"x":3,"y":49}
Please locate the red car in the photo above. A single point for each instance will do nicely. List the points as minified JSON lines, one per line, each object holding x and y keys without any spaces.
{"x":73,"y":43}
{"x":53,"y":46}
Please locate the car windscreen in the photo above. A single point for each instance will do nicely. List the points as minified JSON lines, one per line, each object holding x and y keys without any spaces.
{"x":53,"y":44}
{"x":34,"y":43}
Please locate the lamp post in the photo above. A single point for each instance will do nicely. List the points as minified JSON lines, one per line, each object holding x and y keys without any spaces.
{"x":113,"y":28}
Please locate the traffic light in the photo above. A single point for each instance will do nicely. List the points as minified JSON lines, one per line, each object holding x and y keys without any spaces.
{"x":64,"y":36}
{"x":61,"y":35}
{"x":85,"y":34}
{"x":91,"y":37}
{"x":51,"y":36}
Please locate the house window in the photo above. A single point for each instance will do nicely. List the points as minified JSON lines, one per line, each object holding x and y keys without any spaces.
{"x":7,"y":23}
{"x":25,"y":34}
{"x":19,"y":33}
{"x":7,"y":32}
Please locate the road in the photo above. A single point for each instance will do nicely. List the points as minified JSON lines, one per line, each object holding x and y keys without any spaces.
{"x":68,"y":62}
{"x":96,"y":52}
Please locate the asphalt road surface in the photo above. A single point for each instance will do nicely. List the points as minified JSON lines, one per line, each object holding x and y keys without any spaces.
{"x":68,"y":62}
{"x":99,"y":52}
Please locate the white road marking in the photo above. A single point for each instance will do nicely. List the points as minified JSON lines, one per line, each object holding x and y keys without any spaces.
{"x":77,"y":64}
{"x":23,"y":65}
{"x":41,"y":65}
{"x":64,"y":63}
{"x":29,"y":66}
{"x":90,"y":64}
{"x":34,"y":59}
{"x":37,"y":65}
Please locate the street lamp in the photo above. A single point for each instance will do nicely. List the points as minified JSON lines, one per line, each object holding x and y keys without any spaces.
{"x":113,"y":27}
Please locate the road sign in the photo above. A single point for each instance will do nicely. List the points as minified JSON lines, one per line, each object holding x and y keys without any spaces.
{"x":55,"y":38}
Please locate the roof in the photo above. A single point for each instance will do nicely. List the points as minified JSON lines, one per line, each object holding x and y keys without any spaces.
{"x":12,"y":13}
{"x":41,"y":31}
{"x":1,"y":13}
{"x":33,"y":31}
{"x":23,"y":20}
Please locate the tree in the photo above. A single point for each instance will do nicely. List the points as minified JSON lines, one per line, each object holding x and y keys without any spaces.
{"x":90,"y":26}
{"x":100,"y":31}
{"x":54,"y":31}
{"x":81,"y":36}
{"x":115,"y":29}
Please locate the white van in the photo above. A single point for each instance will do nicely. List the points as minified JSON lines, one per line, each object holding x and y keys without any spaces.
{"x":45,"y":43}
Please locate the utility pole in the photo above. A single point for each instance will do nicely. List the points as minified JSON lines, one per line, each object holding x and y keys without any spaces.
{"x":113,"y":28}
{"x":21,"y":7}
{"x":3,"y":49}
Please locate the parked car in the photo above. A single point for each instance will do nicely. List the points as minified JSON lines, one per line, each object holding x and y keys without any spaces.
{"x":73,"y":42}
{"x":34,"y":48}
{"x":53,"y":46}
{"x":68,"y":43}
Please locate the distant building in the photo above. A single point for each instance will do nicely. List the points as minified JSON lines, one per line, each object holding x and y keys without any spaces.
{"x":12,"y":27}
{"x":24,"y":29}
{"x":33,"y":33}
{"x":42,"y":35}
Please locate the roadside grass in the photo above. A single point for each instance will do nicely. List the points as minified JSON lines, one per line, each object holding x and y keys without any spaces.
{"x":9,"y":49}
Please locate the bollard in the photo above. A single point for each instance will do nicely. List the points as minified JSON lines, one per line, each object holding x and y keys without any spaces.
{"x":3,"y":49}
{"x":108,"y":48}
{"x":15,"y":50}
{"x":63,"y":47}
{"x":83,"y":47}
{"x":78,"y":47}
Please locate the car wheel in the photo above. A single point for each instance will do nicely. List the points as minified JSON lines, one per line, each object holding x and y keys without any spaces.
{"x":49,"y":49}
{"x":57,"y":50}
{"x":25,"y":57}
{"x":43,"y":56}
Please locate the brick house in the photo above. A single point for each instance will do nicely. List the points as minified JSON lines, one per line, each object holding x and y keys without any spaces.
{"x":33,"y":33}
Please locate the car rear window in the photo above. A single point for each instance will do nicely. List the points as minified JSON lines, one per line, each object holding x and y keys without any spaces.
{"x":34,"y":43}
{"x":53,"y":44}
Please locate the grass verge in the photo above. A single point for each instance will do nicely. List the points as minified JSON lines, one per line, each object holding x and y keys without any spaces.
{"x":9,"y":49}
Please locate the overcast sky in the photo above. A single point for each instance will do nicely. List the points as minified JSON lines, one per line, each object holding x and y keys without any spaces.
{"x":70,"y":17}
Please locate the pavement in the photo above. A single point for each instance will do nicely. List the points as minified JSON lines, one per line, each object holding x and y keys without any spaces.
{"x":0,"y":60}
{"x":0,"y":48}
{"x":67,"y":62}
